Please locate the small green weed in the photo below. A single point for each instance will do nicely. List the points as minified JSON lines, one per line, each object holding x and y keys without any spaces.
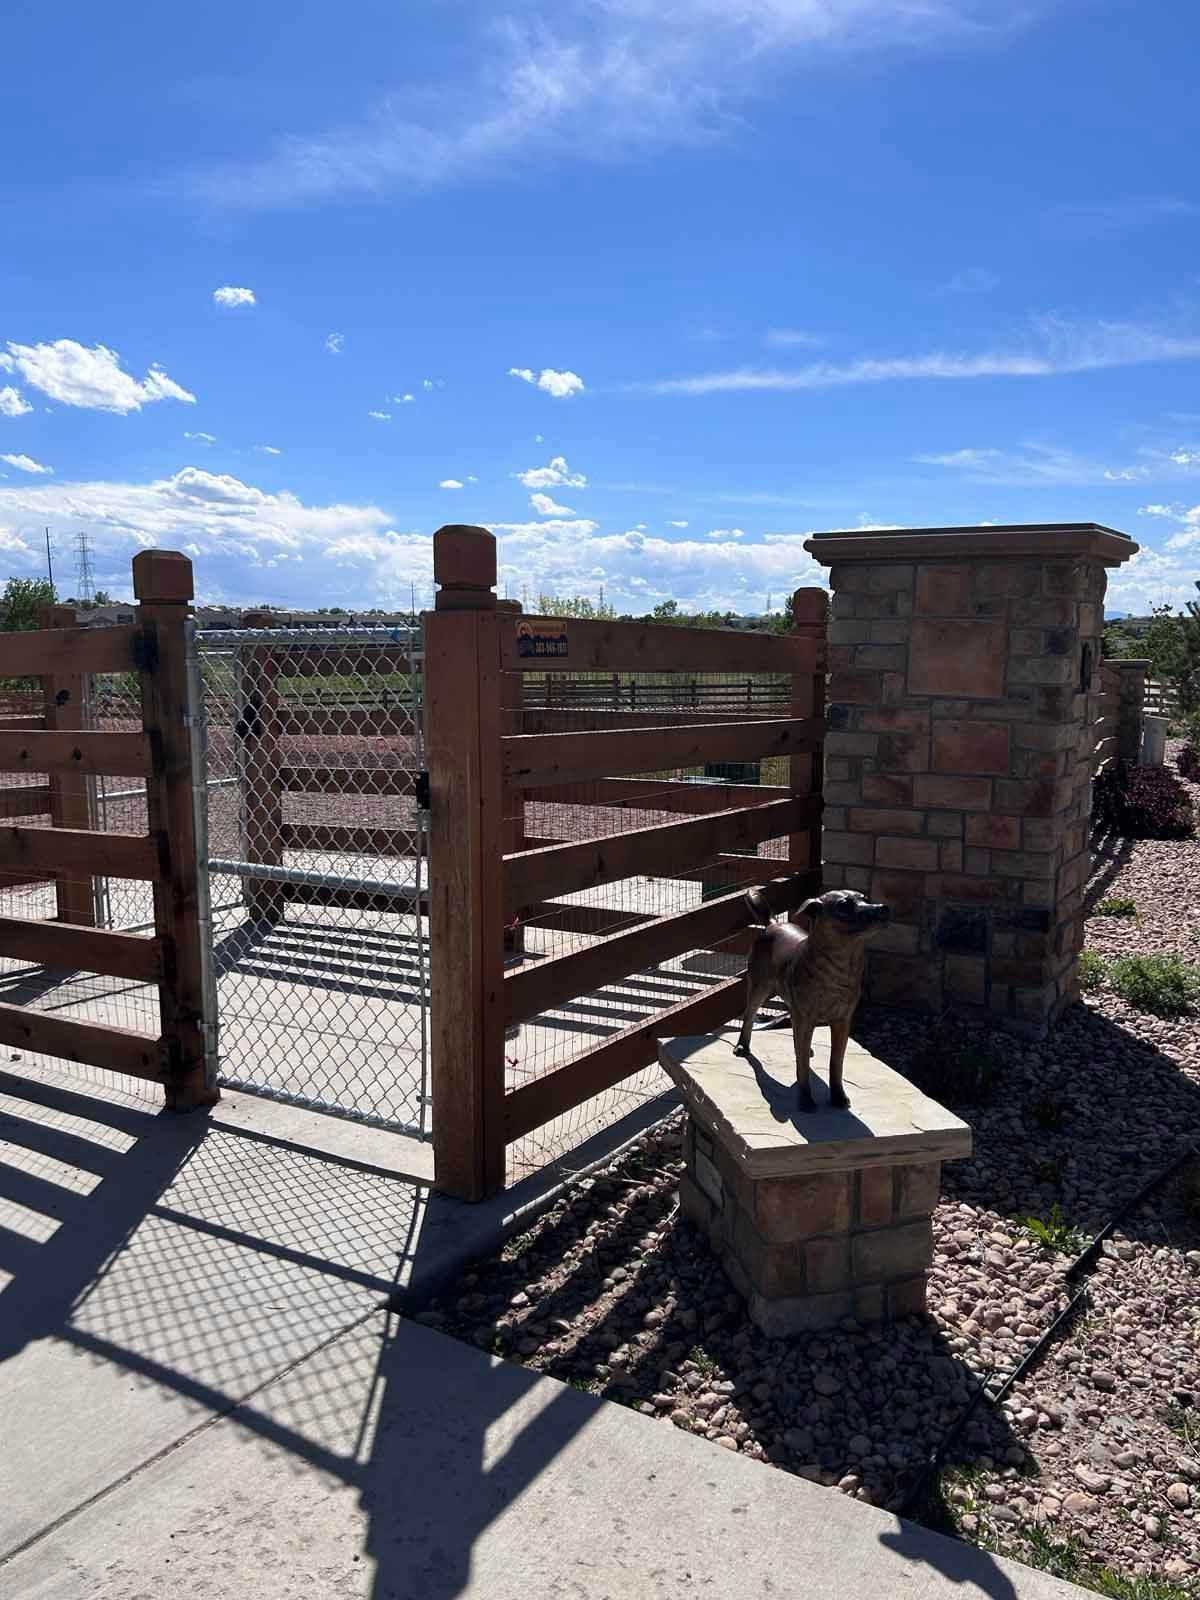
{"x":1103,"y":1580}
{"x":516,"y":1248}
{"x":1093,"y":970}
{"x":1117,"y":905}
{"x":704,"y":1362}
{"x":1164,"y":985}
{"x":1061,"y":1558}
{"x":1051,"y":1170}
{"x":957,"y":1064}
{"x":1048,"y":1114}
{"x":1055,"y":1234}
{"x":1185,"y":1422}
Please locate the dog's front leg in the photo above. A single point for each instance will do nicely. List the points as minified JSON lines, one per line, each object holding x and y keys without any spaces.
{"x":839,"y":1034}
{"x":802,"y":1032}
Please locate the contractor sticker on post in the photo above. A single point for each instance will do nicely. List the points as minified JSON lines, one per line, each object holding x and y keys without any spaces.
{"x":538,"y":637}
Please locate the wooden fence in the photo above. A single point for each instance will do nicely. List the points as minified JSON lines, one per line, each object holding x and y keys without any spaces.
{"x":63,"y":753}
{"x":1162,"y":699}
{"x":484,"y":764}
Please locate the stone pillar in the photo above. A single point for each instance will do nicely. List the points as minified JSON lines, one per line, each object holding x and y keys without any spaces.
{"x":1131,"y":678}
{"x":965,"y":681}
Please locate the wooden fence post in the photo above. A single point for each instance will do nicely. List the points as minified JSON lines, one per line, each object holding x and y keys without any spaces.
{"x":262,"y":764}
{"x":66,"y":712}
{"x":810,"y":608}
{"x":162,"y":583}
{"x":463,"y":722}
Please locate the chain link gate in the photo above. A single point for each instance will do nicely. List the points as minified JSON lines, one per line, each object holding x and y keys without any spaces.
{"x":315,"y":846}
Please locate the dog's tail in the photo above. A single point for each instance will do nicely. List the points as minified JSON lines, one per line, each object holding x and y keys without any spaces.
{"x":759,"y":907}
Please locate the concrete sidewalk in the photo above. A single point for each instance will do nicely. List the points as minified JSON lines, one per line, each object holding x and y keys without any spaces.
{"x":202,"y":1393}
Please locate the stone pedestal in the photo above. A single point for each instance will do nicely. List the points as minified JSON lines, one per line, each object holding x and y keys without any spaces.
{"x":964,"y":691}
{"x":815,"y":1217}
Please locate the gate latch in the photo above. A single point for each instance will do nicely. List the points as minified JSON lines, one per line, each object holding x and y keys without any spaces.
{"x":421,"y":791}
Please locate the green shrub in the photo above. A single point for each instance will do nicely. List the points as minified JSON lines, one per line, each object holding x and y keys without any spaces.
{"x":1093,"y":970}
{"x":1164,"y":985}
{"x":1117,"y":906}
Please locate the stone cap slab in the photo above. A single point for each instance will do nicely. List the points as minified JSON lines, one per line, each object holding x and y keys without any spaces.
{"x":1041,"y":541}
{"x":750,"y":1105}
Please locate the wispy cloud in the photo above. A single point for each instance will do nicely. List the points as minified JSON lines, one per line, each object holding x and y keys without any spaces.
{"x":1030,"y":463}
{"x":794,"y":338}
{"x":676,"y":524}
{"x":335,"y":343}
{"x":726,"y":533}
{"x":1139,"y":211}
{"x":561,"y":385}
{"x":200,"y":437}
{"x":380,"y":416}
{"x":26,"y":464}
{"x":268,"y":450}
{"x":450,"y":483}
{"x":404,"y":399}
{"x":231,"y":297}
{"x":596,"y":81}
{"x":971,"y":280}
{"x":75,"y":375}
{"x":1052,"y":346}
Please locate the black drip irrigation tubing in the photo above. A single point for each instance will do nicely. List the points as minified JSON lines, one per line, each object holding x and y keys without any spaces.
{"x":1081,"y":1264}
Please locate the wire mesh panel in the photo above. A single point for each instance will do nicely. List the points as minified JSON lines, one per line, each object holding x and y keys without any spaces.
{"x":694,"y":875}
{"x":317,"y":867}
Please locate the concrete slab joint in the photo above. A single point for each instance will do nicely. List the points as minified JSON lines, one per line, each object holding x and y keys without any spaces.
{"x":815,"y":1217}
{"x":960,"y":755}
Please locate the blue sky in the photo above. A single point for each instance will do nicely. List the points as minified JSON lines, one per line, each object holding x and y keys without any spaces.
{"x":652,"y":287}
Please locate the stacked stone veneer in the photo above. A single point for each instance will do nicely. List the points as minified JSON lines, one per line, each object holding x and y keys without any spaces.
{"x":964,"y":685}
{"x":808,"y":1250}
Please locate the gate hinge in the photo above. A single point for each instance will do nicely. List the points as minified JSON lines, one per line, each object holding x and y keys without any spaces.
{"x":421,"y":791}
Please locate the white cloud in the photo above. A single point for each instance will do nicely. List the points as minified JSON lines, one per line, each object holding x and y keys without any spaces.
{"x":1152,"y":576}
{"x":1186,"y":458}
{"x":1160,"y":511}
{"x":676,"y":524}
{"x":76,"y":376}
{"x":229,"y":296}
{"x":335,"y":343}
{"x":1031,"y":463}
{"x":380,"y":416}
{"x":559,"y":384}
{"x":268,"y":450}
{"x":404,"y":399}
{"x":12,"y":402}
{"x":26,"y":464}
{"x":430,"y":383}
{"x":971,"y":280}
{"x":599,"y":82}
{"x":546,"y":506}
{"x":450,"y":483}
{"x":200,"y":438}
{"x":726,"y":533}
{"x":471,"y":478}
{"x":556,"y":476}
{"x":1052,"y":346}
{"x":539,"y":438}
{"x":795,"y":337}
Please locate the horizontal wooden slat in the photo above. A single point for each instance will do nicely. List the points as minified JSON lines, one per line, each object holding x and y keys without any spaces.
{"x":661,"y":850}
{"x":658,"y":794}
{"x":58,"y":944}
{"x":93,"y":1044}
{"x":325,"y":722}
{"x":21,"y":724}
{"x":625,"y":1053}
{"x":586,"y":719}
{"x":347,"y":780}
{"x":25,"y":800}
{"x":120,"y":755}
{"x":533,"y":758}
{"x":51,"y":652}
{"x":345,"y":661}
{"x":653,"y":647}
{"x":351,"y":899}
{"x":531,"y":990}
{"x":80,"y":851}
{"x":358,"y":841}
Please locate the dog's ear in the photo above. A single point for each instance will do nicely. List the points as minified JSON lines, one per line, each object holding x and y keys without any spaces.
{"x":810,"y":909}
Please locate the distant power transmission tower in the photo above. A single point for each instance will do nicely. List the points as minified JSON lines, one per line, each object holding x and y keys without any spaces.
{"x":85,"y":582}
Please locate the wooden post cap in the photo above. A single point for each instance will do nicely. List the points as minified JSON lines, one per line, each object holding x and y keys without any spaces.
{"x":162,"y":575}
{"x":810,"y":607}
{"x":511,"y":606}
{"x":464,"y":567}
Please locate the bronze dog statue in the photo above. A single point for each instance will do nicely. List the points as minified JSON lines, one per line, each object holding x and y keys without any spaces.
{"x":817,"y":972}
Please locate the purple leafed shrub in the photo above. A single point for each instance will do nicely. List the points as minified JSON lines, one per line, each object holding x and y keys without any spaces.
{"x":1188,"y":762}
{"x":1141,"y":803}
